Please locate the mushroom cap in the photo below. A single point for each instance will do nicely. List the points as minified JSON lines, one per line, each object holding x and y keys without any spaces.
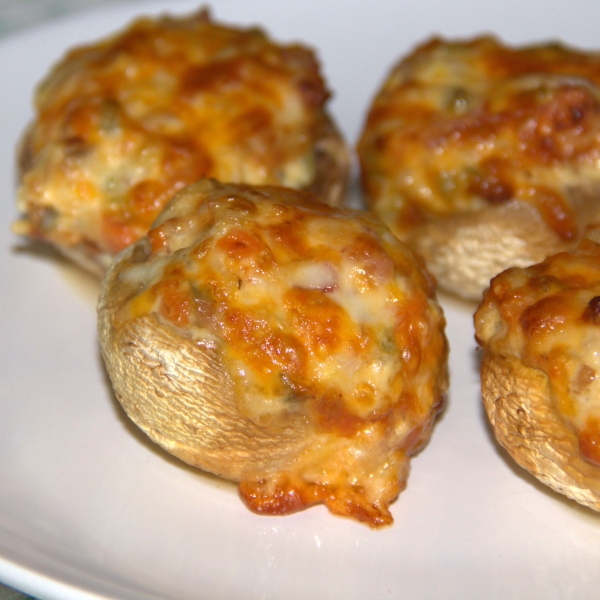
{"x":124,"y":123}
{"x":482,"y":156}
{"x":273,"y":340}
{"x":465,"y":251}
{"x":539,"y":330}
{"x":519,"y":405}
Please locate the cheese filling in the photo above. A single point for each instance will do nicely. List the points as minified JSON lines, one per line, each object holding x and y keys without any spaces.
{"x":124,"y":124}
{"x":458,"y":126}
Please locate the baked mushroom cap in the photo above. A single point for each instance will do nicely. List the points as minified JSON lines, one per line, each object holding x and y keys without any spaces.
{"x":540,"y":332}
{"x":482,"y":157}
{"x":518,"y":401}
{"x":121,"y":125}
{"x":275,"y":341}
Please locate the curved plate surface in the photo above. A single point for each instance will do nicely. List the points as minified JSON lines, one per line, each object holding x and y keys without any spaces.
{"x":89,"y":509}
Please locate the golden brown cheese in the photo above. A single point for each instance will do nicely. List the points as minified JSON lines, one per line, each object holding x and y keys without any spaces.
{"x":123,"y":124}
{"x":548,"y":317}
{"x":315,"y":312}
{"x":459,"y":125}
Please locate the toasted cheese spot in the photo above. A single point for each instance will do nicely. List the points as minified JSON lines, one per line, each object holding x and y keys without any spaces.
{"x":592,"y":311}
{"x":173,"y":292}
{"x":246,"y":254}
{"x":589,"y":440}
{"x":545,"y":317}
{"x":318,"y":319}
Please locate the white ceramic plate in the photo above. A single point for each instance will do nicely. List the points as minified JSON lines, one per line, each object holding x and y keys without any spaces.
{"x":89,"y":509}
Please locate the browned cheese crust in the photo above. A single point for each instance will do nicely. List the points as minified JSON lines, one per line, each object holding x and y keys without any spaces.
{"x":295,"y":348}
{"x":482,"y":156}
{"x":540,"y":332}
{"x":122,"y":124}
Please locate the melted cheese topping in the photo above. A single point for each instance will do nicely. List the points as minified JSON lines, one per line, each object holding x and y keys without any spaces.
{"x":548,"y":317}
{"x":125,"y":123}
{"x":313,"y":310}
{"x":458,"y":126}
